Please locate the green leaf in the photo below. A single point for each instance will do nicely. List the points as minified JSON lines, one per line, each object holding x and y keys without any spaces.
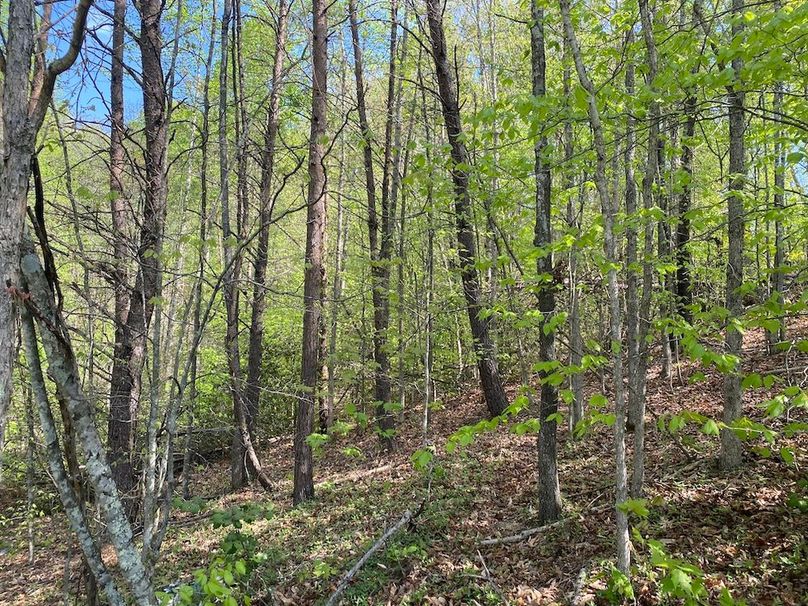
{"x":315,"y":440}
{"x":753,"y":380}
{"x":529,"y":426}
{"x":598,"y":401}
{"x":636,"y":506}
{"x":710,"y":428}
{"x":421,"y":458}
{"x":787,"y":455}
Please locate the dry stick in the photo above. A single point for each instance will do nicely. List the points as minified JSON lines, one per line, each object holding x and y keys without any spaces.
{"x":516,"y":538}
{"x":407,"y":518}
{"x":351,"y":477}
{"x":343,"y":584}
{"x":489,"y":577}
{"x":575,"y":598}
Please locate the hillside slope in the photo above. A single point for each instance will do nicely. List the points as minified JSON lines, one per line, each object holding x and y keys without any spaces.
{"x":744,"y":530}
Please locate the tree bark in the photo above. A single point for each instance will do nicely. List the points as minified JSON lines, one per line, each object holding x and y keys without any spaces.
{"x":778,"y":271}
{"x":609,"y":212}
{"x":125,"y":383}
{"x":256,"y":345}
{"x":313,"y":277}
{"x":549,"y":491}
{"x":340,"y":249}
{"x":243,"y":455}
{"x":18,"y":147}
{"x":576,"y":345}
{"x":120,"y":425}
{"x":495,"y":397}
{"x":70,"y":500}
{"x":684,"y":290}
{"x":731,"y":447}
{"x":379,"y":232}
{"x":203,"y":249}
{"x":63,"y":370}
{"x":637,"y":380}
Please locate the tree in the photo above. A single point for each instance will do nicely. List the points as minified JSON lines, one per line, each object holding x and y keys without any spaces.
{"x":313,"y":280}
{"x":130,"y":345}
{"x":379,"y":235}
{"x":495,"y":397}
{"x":731,"y":447}
{"x":549,"y":491}
{"x":24,"y":106}
{"x":266,"y":202}
{"x":609,"y":212}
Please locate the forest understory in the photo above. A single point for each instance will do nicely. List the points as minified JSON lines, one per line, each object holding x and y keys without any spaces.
{"x":745,"y":530}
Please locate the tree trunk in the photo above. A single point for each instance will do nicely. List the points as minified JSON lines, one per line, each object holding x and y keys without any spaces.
{"x":327,"y":415}
{"x":70,"y":500}
{"x":120,"y":425}
{"x":313,"y":277}
{"x":429,"y":390}
{"x":731,"y":447}
{"x":203,"y":250}
{"x":549,"y":491}
{"x":637,"y":380}
{"x":495,"y":396}
{"x":632,"y":278}
{"x":256,"y":346}
{"x":18,"y":147}
{"x":243,"y":454}
{"x":63,"y":369}
{"x":778,"y":275}
{"x":576,"y":344}
{"x":127,"y":367}
{"x":684,"y":291}
{"x":609,"y":212}
{"x":379,"y":232}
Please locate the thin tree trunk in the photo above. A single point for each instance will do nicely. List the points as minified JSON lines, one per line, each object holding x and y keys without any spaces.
{"x":576,"y":345}
{"x":313,"y":277}
{"x":379,"y":228}
{"x":203,"y":249}
{"x":778,"y":275}
{"x":120,"y":425}
{"x":256,"y":345}
{"x":495,"y":396}
{"x":130,"y":351}
{"x":30,"y":460}
{"x":327,"y":416}
{"x":70,"y":500}
{"x":632,"y":280}
{"x":549,"y":491}
{"x":731,"y":447}
{"x":395,"y":192}
{"x":63,"y":370}
{"x":609,"y":212}
{"x":684,"y":291}
{"x":429,"y":392}
{"x":243,"y":451}
{"x":637,"y":381}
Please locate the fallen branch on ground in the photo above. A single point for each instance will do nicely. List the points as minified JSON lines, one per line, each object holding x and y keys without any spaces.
{"x":343,"y":584}
{"x":358,"y":475}
{"x":489,"y":577}
{"x":576,"y":598}
{"x":525,"y":534}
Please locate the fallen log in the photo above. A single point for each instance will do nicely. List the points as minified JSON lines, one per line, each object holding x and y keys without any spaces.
{"x":345,"y":581}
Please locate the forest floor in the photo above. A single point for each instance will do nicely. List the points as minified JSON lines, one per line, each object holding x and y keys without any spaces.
{"x":745,"y":531}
